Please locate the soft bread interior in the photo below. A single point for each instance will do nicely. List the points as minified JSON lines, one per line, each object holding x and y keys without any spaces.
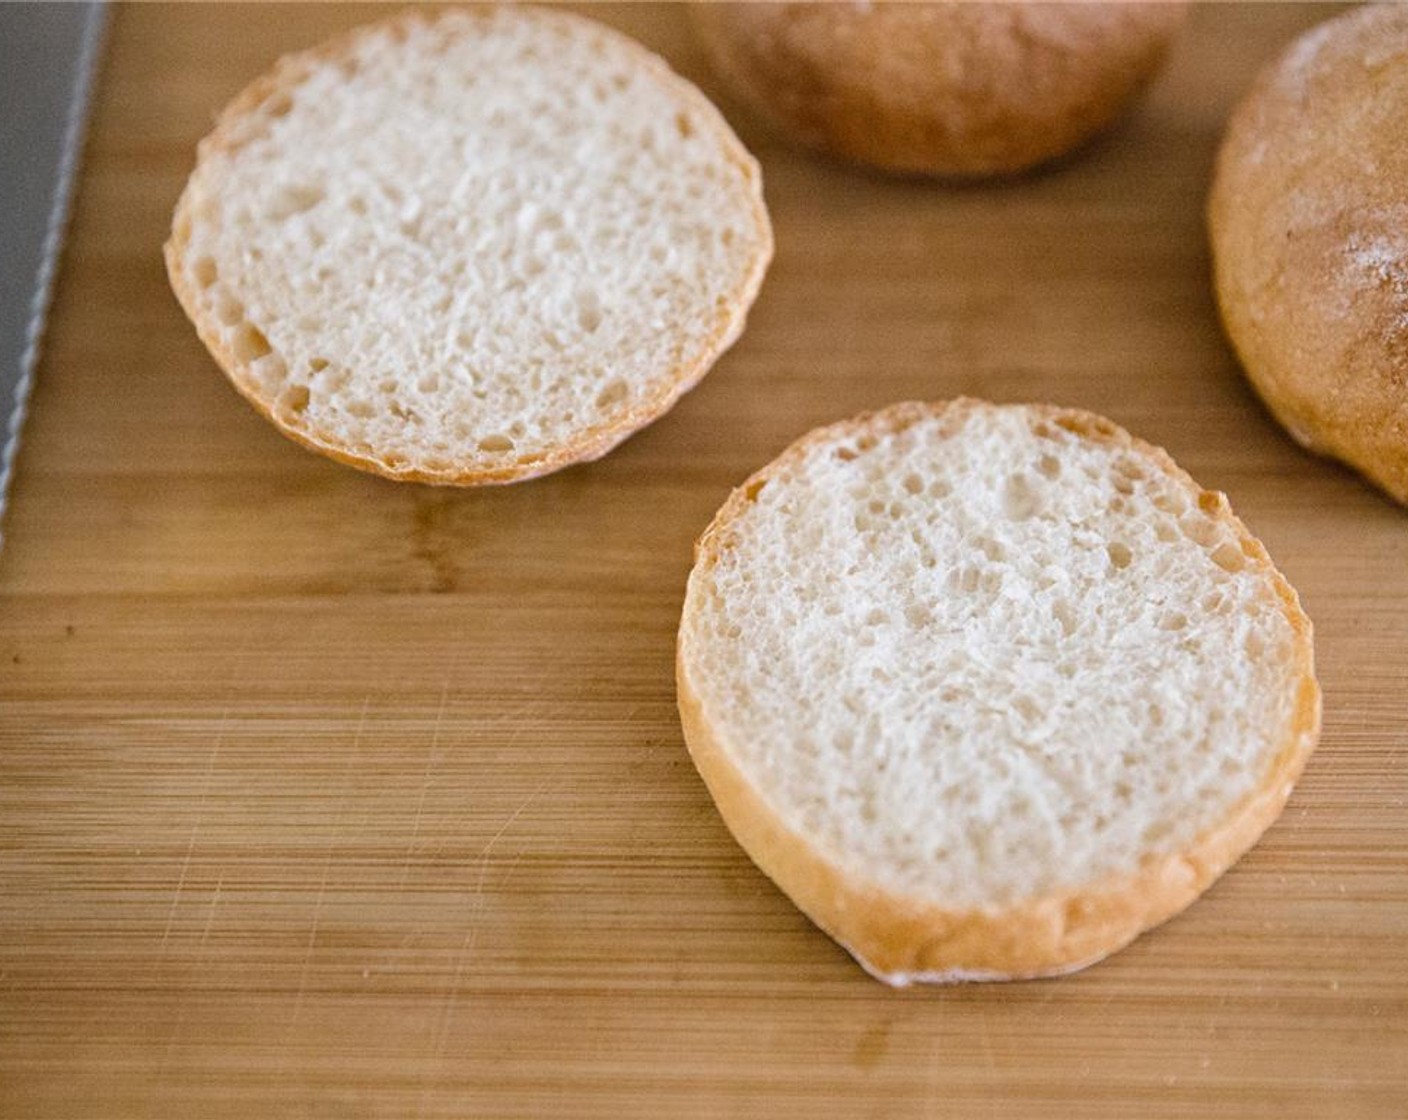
{"x":987,"y":655}
{"x":462,"y":243}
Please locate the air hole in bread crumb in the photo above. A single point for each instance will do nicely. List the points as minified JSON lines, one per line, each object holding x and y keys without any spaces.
{"x":1019,"y":500}
{"x":991,"y":549}
{"x":317,"y":365}
{"x":613,"y":394}
{"x":294,"y":399}
{"x":1255,"y":645}
{"x":1123,"y":485}
{"x":1156,"y":832}
{"x":205,"y":272}
{"x":1049,"y":465}
{"x":228,"y":309}
{"x":357,"y":205}
{"x":684,"y":125}
{"x":588,"y":311}
{"x":918,"y":616}
{"x":876,"y":617}
{"x":279,"y":105}
{"x":913,"y":484}
{"x":1229,"y":558}
{"x":430,"y":383}
{"x":496,"y":443}
{"x":362,"y":410}
{"x":1168,"y":502}
{"x":726,"y":237}
{"x":1173,"y":620}
{"x":1165,"y":532}
{"x":865,"y":443}
{"x":295,"y":199}
{"x":1210,"y":501}
{"x":1199,"y":530}
{"x":249,"y":344}
{"x":1061,"y":611}
{"x":845,"y":454}
{"x":1119,"y":553}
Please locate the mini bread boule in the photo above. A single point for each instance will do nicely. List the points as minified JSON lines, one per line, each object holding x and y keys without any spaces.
{"x":989,"y":690}
{"x":956,"y":90}
{"x":469,"y":246}
{"x":1309,"y":224}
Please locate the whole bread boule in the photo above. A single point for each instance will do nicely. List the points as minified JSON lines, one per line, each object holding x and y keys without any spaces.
{"x":1309,"y":224}
{"x":959,"y":90}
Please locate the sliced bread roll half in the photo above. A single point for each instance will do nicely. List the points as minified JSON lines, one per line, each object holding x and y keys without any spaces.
{"x":468,"y":247}
{"x":990,"y":690}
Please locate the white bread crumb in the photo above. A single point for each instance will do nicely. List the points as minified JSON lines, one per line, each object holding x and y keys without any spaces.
{"x":979,"y":658}
{"x":472,"y":247}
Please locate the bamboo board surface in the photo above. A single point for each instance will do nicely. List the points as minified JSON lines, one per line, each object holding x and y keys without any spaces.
{"x":323,"y":796}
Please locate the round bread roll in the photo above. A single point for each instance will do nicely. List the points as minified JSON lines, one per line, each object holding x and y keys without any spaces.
{"x":959,"y":90}
{"x":468,"y":247}
{"x":1309,"y":224}
{"x":990,"y":690}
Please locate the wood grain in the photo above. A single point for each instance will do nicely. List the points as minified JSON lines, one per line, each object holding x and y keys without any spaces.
{"x":321,"y":796}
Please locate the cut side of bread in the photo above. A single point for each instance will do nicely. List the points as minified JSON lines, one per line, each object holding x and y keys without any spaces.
{"x":989,"y":690}
{"x":468,"y":247}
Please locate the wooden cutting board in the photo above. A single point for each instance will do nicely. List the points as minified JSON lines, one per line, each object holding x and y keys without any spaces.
{"x":324,"y":796}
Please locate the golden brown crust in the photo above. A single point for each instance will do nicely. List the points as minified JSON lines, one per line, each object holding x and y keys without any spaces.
{"x":901,"y":938}
{"x":941,"y":89}
{"x":1308,"y":217}
{"x":244,"y":116}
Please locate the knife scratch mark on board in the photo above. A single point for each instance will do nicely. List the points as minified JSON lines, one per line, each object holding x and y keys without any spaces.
{"x":195,"y":827}
{"x":432,"y":761}
{"x":471,"y":937}
{"x":333,"y":841}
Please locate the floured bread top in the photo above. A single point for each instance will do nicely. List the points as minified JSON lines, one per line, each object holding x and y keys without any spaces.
{"x":469,"y":247}
{"x":982,"y":654}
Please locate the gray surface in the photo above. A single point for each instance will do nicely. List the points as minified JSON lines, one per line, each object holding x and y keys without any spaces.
{"x":47,"y":56}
